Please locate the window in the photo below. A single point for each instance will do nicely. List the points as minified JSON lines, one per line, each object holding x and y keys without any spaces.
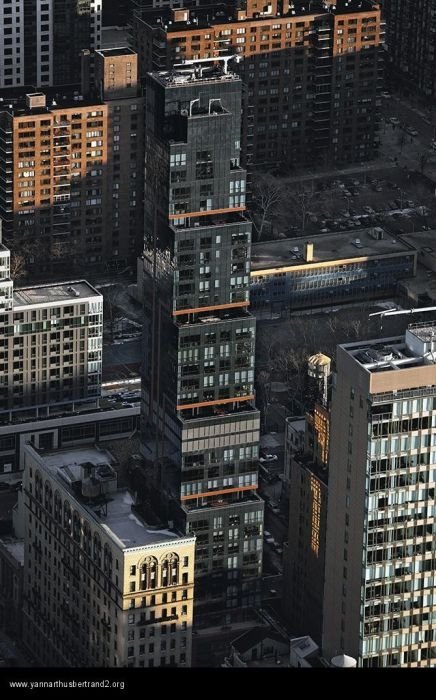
{"x":177,"y":159}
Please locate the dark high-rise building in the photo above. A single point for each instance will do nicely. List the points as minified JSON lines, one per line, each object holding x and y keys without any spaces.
{"x":411,"y":40}
{"x":41,"y":40}
{"x":312,"y":72}
{"x":201,"y":426}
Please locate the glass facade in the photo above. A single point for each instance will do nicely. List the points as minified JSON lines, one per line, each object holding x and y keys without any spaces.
{"x":397,"y":605}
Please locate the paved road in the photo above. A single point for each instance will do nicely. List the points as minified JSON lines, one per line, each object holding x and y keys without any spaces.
{"x":409,"y":153}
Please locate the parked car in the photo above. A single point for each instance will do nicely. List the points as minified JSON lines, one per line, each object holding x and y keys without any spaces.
{"x":268,"y":458}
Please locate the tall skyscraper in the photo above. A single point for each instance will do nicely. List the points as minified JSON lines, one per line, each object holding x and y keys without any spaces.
{"x":102,"y":586}
{"x":313,"y":71}
{"x":41,"y":40}
{"x":201,"y":426}
{"x":379,"y":591}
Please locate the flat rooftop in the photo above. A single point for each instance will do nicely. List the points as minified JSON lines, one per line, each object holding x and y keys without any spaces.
{"x":114,"y":37}
{"x":54,"y":293}
{"x":191,"y":75}
{"x":116,"y":51}
{"x":416,"y":348}
{"x":57,"y":98}
{"x":327,"y":246}
{"x":113,"y":509}
{"x":15,"y":547}
{"x":211,"y":15}
{"x":423,"y":241}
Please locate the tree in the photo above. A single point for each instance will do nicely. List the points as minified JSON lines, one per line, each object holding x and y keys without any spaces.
{"x":401,"y":141}
{"x":18,"y":266}
{"x":423,"y":162}
{"x":113,"y":312}
{"x":267,"y":193}
{"x":300,"y":204}
{"x":24,"y":252}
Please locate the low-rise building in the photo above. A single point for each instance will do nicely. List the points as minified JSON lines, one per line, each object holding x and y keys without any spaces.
{"x":305,"y":653}
{"x":329,"y":269}
{"x":259,"y":647}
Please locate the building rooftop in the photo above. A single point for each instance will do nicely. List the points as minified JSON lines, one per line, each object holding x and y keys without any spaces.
{"x":54,"y":293}
{"x":210,"y":15}
{"x":191,"y":74}
{"x":88,"y":475}
{"x":306,"y":653}
{"x":116,"y":51}
{"x":15,"y":547}
{"x":114,"y":37}
{"x":255,"y":636}
{"x":343,"y":246}
{"x":60,"y":97}
{"x":423,"y":241}
{"x":416,"y":348}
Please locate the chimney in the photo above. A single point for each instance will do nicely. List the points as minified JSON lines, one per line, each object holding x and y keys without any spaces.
{"x":308,"y":251}
{"x":36,"y":100}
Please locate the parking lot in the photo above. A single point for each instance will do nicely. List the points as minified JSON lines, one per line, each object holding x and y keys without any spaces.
{"x":398,"y":200}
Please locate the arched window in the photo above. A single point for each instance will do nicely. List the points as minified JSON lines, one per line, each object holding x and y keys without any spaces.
{"x":87,"y":538}
{"x":67,"y":517}
{"x":38,"y":487}
{"x":76,"y":527}
{"x":107,"y":560}
{"x":58,"y":508}
{"x":97,"y":550}
{"x":48,"y":497}
{"x":170,"y":570}
{"x":148,"y":571}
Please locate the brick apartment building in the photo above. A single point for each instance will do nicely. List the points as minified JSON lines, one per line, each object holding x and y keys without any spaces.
{"x":71,"y":171}
{"x":312,"y":72}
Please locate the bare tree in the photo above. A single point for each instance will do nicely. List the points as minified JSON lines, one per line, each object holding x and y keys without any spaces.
{"x":18,"y":266}
{"x":401,"y":141}
{"x":113,"y":312}
{"x":299,"y":204}
{"x":423,"y":162}
{"x":24,"y":252}
{"x":267,"y":194}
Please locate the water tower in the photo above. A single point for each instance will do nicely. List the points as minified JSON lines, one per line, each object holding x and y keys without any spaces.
{"x":319,"y":368}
